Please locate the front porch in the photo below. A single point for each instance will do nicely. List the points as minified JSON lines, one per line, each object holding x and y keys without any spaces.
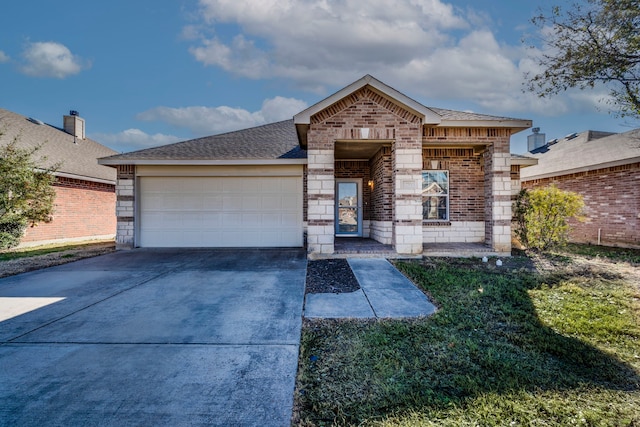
{"x":402,"y":178}
{"x":355,"y":247}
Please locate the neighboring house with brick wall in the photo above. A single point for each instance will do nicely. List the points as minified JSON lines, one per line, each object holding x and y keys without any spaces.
{"x":367,"y":161}
{"x":605,"y":169}
{"x":84,"y":207}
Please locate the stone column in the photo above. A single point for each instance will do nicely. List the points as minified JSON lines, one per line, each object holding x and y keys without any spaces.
{"x":498,"y":197}
{"x":125,"y":207}
{"x":320,"y":195}
{"x":407,"y":177}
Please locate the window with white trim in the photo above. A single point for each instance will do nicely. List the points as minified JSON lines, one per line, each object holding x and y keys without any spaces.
{"x":435,"y":195}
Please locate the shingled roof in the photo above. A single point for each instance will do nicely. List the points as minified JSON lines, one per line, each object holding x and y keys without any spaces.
{"x":586,"y":151}
{"x":453,"y":115}
{"x":285,"y":142}
{"x":77,"y":157}
{"x":274,"y":141}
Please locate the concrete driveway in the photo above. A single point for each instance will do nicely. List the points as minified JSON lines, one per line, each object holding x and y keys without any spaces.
{"x":153,"y":337}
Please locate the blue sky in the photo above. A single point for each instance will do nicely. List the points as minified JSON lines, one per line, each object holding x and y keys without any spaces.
{"x":146,"y":72}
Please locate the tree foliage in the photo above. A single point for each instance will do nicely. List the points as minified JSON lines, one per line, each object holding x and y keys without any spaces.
{"x":26,"y":193}
{"x":593,"y":42}
{"x":542,"y":214}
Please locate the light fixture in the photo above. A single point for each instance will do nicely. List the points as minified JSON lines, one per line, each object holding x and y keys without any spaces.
{"x":371,"y":184}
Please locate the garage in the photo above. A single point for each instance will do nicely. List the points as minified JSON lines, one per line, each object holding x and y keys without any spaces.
{"x":238,"y":189}
{"x":220,"y":211}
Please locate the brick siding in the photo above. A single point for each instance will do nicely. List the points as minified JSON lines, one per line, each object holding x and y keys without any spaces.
{"x":382,"y":194}
{"x":385,"y":120}
{"x":82,"y":209}
{"x":612,"y":204}
{"x":466,"y":181}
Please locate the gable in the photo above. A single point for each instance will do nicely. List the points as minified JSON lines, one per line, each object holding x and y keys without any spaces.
{"x":370,"y":104}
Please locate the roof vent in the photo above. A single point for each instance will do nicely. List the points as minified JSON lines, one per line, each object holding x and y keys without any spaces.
{"x":571,"y":136}
{"x":553,"y":141}
{"x":35,"y":121}
{"x":74,"y":113}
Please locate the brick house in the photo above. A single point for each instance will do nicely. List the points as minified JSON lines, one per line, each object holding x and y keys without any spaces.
{"x":604,"y":168}
{"x":85,"y":191}
{"x":366,"y":162}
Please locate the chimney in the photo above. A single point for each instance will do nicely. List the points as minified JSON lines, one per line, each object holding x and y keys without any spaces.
{"x":74,"y":124}
{"x":535,"y":140}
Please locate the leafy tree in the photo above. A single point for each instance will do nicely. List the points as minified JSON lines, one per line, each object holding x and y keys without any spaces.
{"x":593,"y":42}
{"x":541,"y":216}
{"x":26,"y":192}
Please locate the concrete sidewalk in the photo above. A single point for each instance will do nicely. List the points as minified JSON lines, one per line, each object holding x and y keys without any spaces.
{"x":384,"y":293}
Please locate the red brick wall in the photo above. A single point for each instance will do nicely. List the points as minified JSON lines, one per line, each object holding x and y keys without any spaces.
{"x":382,"y":194}
{"x":612,"y":204}
{"x":82,"y":209}
{"x":466,"y":181}
{"x":386,"y":120}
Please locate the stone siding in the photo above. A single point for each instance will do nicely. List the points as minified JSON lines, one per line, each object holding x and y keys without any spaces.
{"x":125,"y":207}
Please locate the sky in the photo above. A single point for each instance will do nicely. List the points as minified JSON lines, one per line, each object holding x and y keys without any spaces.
{"x":145,"y":73}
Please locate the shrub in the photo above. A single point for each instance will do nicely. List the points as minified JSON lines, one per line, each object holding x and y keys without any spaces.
{"x":542,"y":214}
{"x":26,"y":192}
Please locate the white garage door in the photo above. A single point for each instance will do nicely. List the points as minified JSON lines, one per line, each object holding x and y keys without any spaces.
{"x":220,"y":211}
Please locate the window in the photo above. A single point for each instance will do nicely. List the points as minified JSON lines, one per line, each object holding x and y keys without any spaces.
{"x":435,"y":195}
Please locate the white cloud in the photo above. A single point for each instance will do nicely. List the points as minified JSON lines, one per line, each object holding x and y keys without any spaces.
{"x":51,"y":59}
{"x":421,"y":47}
{"x":3,"y":57}
{"x":315,"y":42}
{"x":212,"y":120}
{"x":133,"y":139}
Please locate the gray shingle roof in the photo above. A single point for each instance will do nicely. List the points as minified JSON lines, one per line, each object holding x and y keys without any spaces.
{"x":587,"y":151}
{"x":468,"y":116}
{"x":272,"y":141}
{"x":75,"y":159}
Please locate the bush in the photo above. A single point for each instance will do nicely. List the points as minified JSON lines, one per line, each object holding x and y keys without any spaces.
{"x":11,"y":233}
{"x":542,"y":215}
{"x":26,"y":192}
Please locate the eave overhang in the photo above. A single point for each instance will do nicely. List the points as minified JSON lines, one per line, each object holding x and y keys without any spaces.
{"x":587,"y":168}
{"x":523,"y":161}
{"x":515,"y":125}
{"x":201,"y":162}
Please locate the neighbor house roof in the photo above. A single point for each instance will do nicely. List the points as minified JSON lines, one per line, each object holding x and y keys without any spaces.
{"x":583,"y":152}
{"x":272,"y":143}
{"x":77,"y":158}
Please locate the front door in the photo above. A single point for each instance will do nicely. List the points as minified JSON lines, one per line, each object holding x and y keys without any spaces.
{"x":349,"y":207}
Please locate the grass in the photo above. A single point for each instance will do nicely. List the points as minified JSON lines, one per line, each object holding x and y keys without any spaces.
{"x":509,"y":348}
{"x":607,"y":252}
{"x":8,"y":255}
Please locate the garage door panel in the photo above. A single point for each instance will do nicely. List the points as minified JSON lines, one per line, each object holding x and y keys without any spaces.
{"x":212,"y":202}
{"x":220,"y":211}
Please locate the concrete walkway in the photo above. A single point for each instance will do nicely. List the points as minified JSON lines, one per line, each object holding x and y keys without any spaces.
{"x":384,"y":293}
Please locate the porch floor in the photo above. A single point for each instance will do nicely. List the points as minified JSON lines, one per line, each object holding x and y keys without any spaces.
{"x":356,"y":247}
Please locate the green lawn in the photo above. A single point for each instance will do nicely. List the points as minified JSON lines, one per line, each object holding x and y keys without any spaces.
{"x":29,"y":252}
{"x":506,"y":348}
